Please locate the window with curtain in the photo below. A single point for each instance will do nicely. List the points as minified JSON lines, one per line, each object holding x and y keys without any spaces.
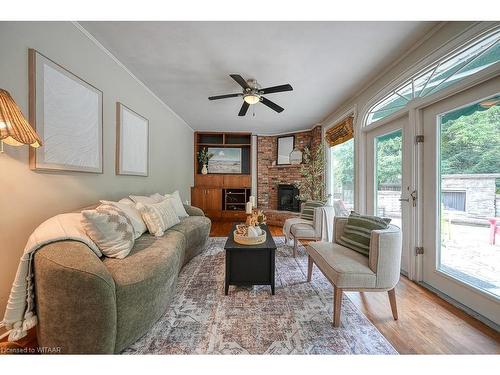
{"x":340,"y":138}
{"x":469,"y":59}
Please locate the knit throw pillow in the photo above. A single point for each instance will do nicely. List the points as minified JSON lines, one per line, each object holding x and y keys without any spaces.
{"x":307,"y":212}
{"x":132,"y":213}
{"x":110,"y":229}
{"x":158,"y":216}
{"x":357,"y":231}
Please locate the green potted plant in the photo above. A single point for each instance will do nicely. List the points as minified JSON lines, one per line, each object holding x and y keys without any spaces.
{"x":313,"y":186}
{"x":203,"y":157}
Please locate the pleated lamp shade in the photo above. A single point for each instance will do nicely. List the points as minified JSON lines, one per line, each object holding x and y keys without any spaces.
{"x":15,"y":130}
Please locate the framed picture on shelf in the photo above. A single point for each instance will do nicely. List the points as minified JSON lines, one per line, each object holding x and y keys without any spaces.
{"x":286,"y":145}
{"x":226,"y":160}
{"x":132,"y":142}
{"x":66,"y":112}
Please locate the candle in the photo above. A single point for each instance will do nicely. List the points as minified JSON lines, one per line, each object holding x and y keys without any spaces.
{"x":253,"y":201}
{"x":249,"y":208}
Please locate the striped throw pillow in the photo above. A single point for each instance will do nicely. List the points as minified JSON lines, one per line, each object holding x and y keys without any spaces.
{"x":357,"y":231}
{"x":307,"y":212}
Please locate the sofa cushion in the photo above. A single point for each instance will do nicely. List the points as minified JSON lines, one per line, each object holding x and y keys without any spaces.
{"x":303,"y":230}
{"x":358,"y":229}
{"x":342,"y":266}
{"x":196,"y":230}
{"x":145,"y":281}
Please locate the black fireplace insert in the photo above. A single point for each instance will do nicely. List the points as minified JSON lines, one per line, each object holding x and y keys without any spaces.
{"x":287,"y":198}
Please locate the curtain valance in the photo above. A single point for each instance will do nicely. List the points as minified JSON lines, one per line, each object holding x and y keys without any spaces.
{"x":341,"y":132}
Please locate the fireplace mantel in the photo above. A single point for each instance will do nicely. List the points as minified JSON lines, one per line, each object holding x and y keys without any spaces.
{"x":285,"y":166}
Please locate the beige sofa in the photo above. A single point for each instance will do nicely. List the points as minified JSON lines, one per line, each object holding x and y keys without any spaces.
{"x":349,"y":270}
{"x":87,"y":304}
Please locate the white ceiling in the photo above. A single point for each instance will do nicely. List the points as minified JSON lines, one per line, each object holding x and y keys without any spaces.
{"x":186,"y":62}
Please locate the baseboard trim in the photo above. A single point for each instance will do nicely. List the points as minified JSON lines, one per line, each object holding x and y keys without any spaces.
{"x":462,"y":307}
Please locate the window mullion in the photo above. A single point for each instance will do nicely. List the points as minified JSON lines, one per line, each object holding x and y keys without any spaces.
{"x":472,"y":59}
{"x":430,"y":77}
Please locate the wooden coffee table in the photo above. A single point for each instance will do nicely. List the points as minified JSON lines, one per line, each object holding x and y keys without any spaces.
{"x":250,"y":264}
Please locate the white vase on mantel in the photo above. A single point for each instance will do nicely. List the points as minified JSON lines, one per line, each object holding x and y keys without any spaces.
{"x":204,"y":170}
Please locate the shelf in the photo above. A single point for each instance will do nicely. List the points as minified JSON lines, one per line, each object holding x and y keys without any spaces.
{"x":224,"y":174}
{"x":285,"y":166}
{"x":224,"y":144}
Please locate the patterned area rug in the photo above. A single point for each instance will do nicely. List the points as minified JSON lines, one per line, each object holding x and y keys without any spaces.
{"x":296,"y":320}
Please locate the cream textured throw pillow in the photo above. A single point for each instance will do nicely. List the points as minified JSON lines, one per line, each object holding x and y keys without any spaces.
{"x":158,"y":216}
{"x":133,"y":214}
{"x":176,"y":201}
{"x":155,"y":198}
{"x":110,"y":229}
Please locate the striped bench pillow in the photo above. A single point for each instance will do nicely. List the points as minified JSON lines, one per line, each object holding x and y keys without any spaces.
{"x":357,"y":231}
{"x":307,"y":212}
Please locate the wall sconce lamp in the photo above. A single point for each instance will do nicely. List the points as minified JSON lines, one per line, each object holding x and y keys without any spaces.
{"x":15,"y":130}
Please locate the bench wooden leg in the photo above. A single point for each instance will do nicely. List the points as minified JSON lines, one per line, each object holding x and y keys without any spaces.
{"x":309,"y":267}
{"x":337,"y":305}
{"x":295,"y":246}
{"x":392,"y":300}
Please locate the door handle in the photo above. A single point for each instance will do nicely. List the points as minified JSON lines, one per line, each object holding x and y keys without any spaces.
{"x":413,"y":197}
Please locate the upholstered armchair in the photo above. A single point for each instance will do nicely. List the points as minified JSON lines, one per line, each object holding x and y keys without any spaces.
{"x":316,"y":230}
{"x":349,"y":270}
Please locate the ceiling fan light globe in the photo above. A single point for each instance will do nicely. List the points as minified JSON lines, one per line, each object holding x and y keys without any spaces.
{"x":251,"y":98}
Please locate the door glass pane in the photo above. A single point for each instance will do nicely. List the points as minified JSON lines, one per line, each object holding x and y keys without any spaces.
{"x":470,"y":194}
{"x":388,"y":174}
{"x":342,"y":172}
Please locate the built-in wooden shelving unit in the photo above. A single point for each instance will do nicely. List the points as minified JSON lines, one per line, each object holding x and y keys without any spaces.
{"x":222,"y":195}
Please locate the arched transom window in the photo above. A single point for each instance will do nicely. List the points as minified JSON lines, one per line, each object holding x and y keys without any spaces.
{"x":470,"y":59}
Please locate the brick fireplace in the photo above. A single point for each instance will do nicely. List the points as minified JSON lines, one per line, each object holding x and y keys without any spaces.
{"x":270,"y":176}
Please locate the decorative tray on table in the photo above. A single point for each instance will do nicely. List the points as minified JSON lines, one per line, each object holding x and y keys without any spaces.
{"x":249,"y":235}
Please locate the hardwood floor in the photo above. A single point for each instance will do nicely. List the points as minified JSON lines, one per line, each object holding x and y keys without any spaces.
{"x":427,"y":324}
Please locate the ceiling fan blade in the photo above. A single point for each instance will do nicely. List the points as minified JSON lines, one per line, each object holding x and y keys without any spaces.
{"x":271,"y":105}
{"x":223,"y":96}
{"x":244,"y":109}
{"x":240,"y":81}
{"x":280,"y":88}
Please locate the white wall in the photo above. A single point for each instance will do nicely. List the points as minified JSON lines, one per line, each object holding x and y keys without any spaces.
{"x":26,"y":197}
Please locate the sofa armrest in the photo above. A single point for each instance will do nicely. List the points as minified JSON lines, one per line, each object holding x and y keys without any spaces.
{"x":339,"y":223}
{"x":193,"y":211}
{"x":75,"y":299}
{"x":385,"y":256}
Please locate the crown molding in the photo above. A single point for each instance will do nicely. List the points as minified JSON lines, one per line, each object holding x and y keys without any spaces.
{"x":121,"y":65}
{"x":286,"y":133}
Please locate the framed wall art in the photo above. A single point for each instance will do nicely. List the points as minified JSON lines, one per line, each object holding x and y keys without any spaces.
{"x":132,"y":142}
{"x":225,"y":160}
{"x":66,"y":112}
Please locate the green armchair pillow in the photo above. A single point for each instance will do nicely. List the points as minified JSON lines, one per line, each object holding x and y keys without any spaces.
{"x":357,"y":231}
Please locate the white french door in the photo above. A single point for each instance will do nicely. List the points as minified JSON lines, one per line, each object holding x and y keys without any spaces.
{"x":388,"y":174}
{"x":460,"y":171}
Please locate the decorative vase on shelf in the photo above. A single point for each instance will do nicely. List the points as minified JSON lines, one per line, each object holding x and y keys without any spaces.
{"x":204,"y":170}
